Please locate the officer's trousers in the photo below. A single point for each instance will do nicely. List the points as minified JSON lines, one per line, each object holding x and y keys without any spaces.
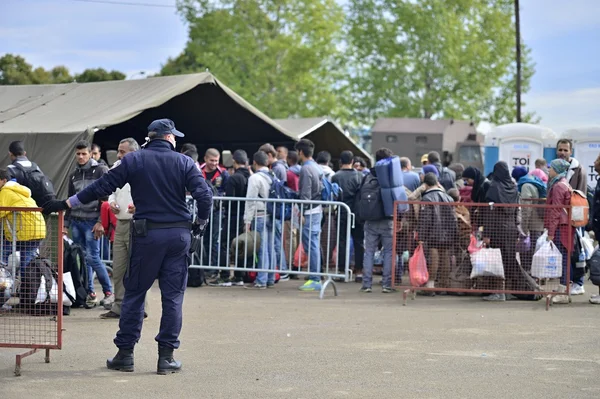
{"x":163,"y":255}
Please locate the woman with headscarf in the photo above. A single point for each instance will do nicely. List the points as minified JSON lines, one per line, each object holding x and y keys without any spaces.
{"x":479,"y":186}
{"x":556,"y":220}
{"x":502,"y":228}
{"x":533,"y":192}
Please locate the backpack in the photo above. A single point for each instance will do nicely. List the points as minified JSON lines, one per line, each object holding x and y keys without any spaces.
{"x":368,"y":204}
{"x":594,"y":265}
{"x":331,"y":191}
{"x":30,"y":283}
{"x":446,"y":179}
{"x":279,"y":190}
{"x":42,"y":189}
{"x":580,"y":208}
{"x":74,"y":263}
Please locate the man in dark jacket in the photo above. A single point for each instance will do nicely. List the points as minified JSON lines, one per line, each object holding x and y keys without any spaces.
{"x":20,"y":164}
{"x":159,"y":179}
{"x":349,"y":180}
{"x":437,"y":230}
{"x":85,"y":221}
{"x":447,"y":176}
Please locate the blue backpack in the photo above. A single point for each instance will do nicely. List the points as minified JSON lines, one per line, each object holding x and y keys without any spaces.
{"x":331,"y":191}
{"x":279,"y":190}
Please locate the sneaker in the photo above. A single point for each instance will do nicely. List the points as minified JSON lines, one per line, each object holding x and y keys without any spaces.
{"x":256,"y":286}
{"x":387,"y":290}
{"x":220,"y":282}
{"x":561,"y":299}
{"x":577,"y":289}
{"x":110,"y":315}
{"x":595,"y":299}
{"x":270,"y":285}
{"x":284,"y":277}
{"x":311,"y":285}
{"x":90,"y":300}
{"x":108,"y":300}
{"x":495,"y":298}
{"x":365,"y":289}
{"x":239,"y":283}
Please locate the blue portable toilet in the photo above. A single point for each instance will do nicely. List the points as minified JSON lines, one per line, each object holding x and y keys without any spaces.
{"x":519,"y":144}
{"x":586,"y":148}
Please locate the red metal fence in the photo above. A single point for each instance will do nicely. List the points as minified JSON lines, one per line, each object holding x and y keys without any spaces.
{"x":477,"y":249}
{"x":30,"y":311}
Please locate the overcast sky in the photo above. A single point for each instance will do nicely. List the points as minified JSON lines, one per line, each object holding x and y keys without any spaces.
{"x":564,"y":36}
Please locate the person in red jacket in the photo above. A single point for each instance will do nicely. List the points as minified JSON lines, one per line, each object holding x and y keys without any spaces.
{"x":557,"y":222}
{"x":109,"y":221}
{"x":293,"y":172}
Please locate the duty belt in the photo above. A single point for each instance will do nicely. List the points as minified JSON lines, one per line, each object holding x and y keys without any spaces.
{"x":168,"y":225}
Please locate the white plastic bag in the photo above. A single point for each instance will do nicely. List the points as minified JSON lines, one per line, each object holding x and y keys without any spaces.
{"x":587,"y":244}
{"x":41,"y":294}
{"x":487,"y":262}
{"x":547,"y":262}
{"x":542,"y":240}
{"x":69,"y":289}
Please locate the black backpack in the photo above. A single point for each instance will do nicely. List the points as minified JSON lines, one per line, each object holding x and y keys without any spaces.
{"x":42,"y":189}
{"x":368,"y":204}
{"x":30,"y":283}
{"x":446,"y":179}
{"x":74,"y":263}
{"x":594,"y":265}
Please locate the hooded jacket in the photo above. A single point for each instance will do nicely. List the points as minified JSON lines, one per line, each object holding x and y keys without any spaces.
{"x":557,"y":218}
{"x":82,"y":177}
{"x":259,"y":185}
{"x":29,"y":225}
{"x":237,"y":186}
{"x":280,"y":168}
{"x":577,"y":177}
{"x":327,"y":171}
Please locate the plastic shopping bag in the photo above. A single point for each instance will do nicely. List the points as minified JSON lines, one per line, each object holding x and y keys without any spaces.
{"x":587,"y":244}
{"x":41,"y":294}
{"x":475,"y":244}
{"x":300,"y":257}
{"x":417,"y":268}
{"x":487,"y":262}
{"x":547,"y":262}
{"x":542,"y":240}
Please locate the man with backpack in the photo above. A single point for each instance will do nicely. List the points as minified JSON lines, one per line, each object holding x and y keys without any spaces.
{"x":447,"y":177}
{"x":122,"y":206}
{"x":29,"y":174}
{"x":378,"y":227}
{"x":257,"y":219}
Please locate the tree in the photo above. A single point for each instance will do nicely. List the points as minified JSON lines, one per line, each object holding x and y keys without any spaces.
{"x":280,"y":55}
{"x":433,"y":58}
{"x":14,"y":70}
{"x":98,"y":75}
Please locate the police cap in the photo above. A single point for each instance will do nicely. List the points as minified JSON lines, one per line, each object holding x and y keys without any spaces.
{"x":162,"y":127}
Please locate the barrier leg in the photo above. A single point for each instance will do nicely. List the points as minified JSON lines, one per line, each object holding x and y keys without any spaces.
{"x":47,"y":358}
{"x":324,"y":287}
{"x":19,"y":358}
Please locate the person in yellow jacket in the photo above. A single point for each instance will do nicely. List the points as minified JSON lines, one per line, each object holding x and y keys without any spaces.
{"x":27,"y":227}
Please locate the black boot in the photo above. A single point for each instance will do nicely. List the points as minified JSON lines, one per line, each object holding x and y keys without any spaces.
{"x":166,"y":363}
{"x":122,"y":361}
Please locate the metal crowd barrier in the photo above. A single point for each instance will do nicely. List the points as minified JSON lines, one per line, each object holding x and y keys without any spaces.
{"x":229,"y":247}
{"x":31,"y":313}
{"x":475,"y":249}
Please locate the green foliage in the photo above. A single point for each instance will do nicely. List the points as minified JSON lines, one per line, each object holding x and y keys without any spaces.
{"x":432,"y":58}
{"x":281,"y":55}
{"x":14,"y":70}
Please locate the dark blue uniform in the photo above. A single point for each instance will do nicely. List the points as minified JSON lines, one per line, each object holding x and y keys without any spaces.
{"x":159,"y":178}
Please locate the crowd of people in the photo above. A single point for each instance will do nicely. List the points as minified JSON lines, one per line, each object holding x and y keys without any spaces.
{"x":444,"y":231}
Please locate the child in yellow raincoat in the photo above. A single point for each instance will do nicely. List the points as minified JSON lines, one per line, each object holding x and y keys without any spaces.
{"x":27,"y":227}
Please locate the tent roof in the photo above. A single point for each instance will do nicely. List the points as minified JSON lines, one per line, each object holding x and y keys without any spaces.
{"x":304,"y":127}
{"x":77,"y":107}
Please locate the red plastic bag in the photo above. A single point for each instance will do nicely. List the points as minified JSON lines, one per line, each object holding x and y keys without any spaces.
{"x":474,"y":245}
{"x":300,"y":257}
{"x":417,"y":268}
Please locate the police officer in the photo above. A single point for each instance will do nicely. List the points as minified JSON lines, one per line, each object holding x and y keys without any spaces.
{"x":161,"y":237}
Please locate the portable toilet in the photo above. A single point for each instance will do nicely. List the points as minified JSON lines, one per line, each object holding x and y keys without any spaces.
{"x":586,"y":148}
{"x":519,"y":144}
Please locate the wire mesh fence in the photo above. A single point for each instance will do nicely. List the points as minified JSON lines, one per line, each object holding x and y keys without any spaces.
{"x":31,"y":280}
{"x":500,"y":251}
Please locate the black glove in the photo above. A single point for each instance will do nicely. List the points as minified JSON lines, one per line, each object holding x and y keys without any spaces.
{"x":55,"y":206}
{"x":198,"y":227}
